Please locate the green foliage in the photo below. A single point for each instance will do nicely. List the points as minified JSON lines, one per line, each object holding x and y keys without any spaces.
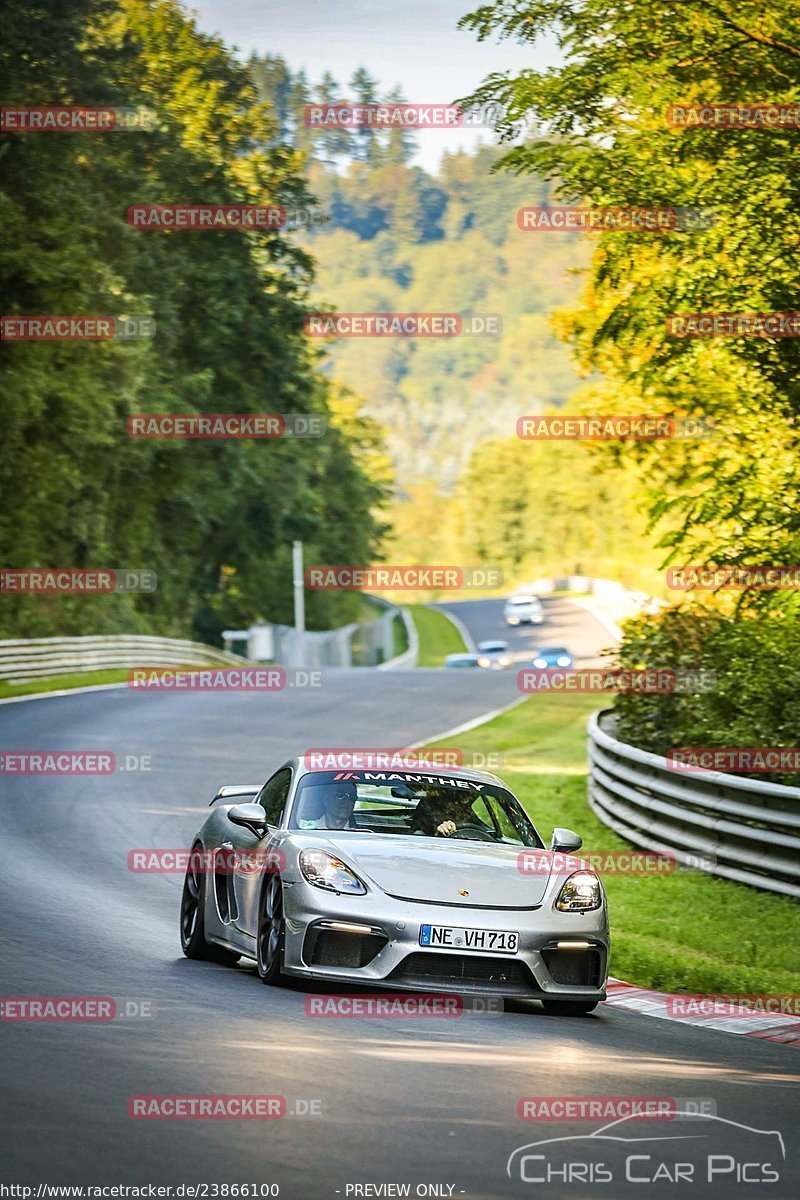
{"x":731,"y":497}
{"x":532,"y":509}
{"x":213,"y":519}
{"x":754,"y":663}
{"x":549,"y":508}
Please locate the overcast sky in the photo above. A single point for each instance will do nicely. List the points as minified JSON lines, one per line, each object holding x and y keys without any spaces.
{"x":413,"y":43}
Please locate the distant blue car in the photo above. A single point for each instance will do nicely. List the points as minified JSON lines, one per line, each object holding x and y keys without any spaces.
{"x":553,"y":656}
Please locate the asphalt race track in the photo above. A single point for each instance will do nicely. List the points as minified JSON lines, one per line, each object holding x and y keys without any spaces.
{"x":565,"y":624}
{"x":371,"y":1101}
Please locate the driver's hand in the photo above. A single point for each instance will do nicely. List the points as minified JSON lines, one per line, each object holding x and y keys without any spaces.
{"x":446,"y":828}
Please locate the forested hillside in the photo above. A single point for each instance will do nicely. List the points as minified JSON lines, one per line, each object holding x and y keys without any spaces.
{"x":394,"y":238}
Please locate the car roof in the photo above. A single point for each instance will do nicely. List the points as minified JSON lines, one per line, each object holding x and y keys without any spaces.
{"x":553,"y":650}
{"x":461,"y":658}
{"x":303,"y":767}
{"x":522,"y":599}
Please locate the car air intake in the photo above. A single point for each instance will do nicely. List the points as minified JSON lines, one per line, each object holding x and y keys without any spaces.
{"x":579,"y":967}
{"x":462,"y":972}
{"x":335,"y":948}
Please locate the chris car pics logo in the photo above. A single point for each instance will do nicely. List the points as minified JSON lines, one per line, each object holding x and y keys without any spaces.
{"x":697,"y":1148}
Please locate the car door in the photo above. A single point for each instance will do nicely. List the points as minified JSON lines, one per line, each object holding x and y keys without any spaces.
{"x":248,"y":880}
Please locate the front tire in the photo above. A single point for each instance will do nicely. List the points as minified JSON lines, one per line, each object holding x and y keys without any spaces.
{"x":569,"y":1008}
{"x":193,"y":916}
{"x":271,"y":933}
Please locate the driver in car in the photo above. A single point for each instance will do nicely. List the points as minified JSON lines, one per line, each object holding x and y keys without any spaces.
{"x":442,"y":814}
{"x":334,"y":805}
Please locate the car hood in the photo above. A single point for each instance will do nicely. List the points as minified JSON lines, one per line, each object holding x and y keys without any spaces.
{"x":437,"y":870}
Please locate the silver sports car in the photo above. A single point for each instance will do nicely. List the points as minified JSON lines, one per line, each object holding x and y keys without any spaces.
{"x":431,"y":880}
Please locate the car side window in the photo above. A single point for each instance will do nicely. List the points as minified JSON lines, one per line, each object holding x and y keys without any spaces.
{"x":272,"y":796}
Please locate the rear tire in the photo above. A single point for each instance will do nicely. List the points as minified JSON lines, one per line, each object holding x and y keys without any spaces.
{"x":569,"y":1008}
{"x":193,"y":918}
{"x":271,"y":933}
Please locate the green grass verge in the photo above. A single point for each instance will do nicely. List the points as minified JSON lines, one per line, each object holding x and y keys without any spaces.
{"x":58,"y":683}
{"x":399,"y":637}
{"x":438,"y":636}
{"x":679,"y":932}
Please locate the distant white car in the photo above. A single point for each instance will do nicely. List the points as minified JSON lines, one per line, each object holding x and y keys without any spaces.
{"x":523,"y":610}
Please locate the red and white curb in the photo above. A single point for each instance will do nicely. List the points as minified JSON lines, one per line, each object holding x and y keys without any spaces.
{"x":774,"y":1027}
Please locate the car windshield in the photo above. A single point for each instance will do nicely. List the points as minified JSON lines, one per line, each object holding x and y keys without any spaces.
{"x":411,"y":805}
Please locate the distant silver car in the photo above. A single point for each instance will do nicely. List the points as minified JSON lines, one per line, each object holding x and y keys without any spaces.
{"x":462,"y":661}
{"x":431,"y":880}
{"x":494,"y":655}
{"x":523,"y":610}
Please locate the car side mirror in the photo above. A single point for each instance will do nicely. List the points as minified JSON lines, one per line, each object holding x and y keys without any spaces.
{"x":251,"y":816}
{"x":562,"y":839}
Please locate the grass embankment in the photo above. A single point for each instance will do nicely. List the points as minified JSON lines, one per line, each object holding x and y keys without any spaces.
{"x":438,"y":636}
{"x":677,"y":932}
{"x":58,"y":683}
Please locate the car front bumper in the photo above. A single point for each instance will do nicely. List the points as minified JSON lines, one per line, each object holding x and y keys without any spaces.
{"x":373,"y":940}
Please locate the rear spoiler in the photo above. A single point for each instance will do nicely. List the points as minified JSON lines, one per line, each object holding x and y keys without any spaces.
{"x":236,"y":791}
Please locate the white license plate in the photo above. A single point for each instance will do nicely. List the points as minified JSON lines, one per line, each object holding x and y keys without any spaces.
{"x":453,"y":937}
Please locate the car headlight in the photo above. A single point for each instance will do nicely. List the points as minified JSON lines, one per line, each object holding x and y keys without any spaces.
{"x":326,"y":871}
{"x":505,"y":661}
{"x":581,"y":893}
{"x":540,"y":662}
{"x":563,"y":661}
{"x":484,"y":662}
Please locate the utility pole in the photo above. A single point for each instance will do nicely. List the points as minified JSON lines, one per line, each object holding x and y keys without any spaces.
{"x":299,"y":599}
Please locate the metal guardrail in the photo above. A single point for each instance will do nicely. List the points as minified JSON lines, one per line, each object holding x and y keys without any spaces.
{"x":33,"y":658}
{"x":747,"y":829}
{"x":366,"y":644}
{"x":409,"y":657}
{"x":359,"y":644}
